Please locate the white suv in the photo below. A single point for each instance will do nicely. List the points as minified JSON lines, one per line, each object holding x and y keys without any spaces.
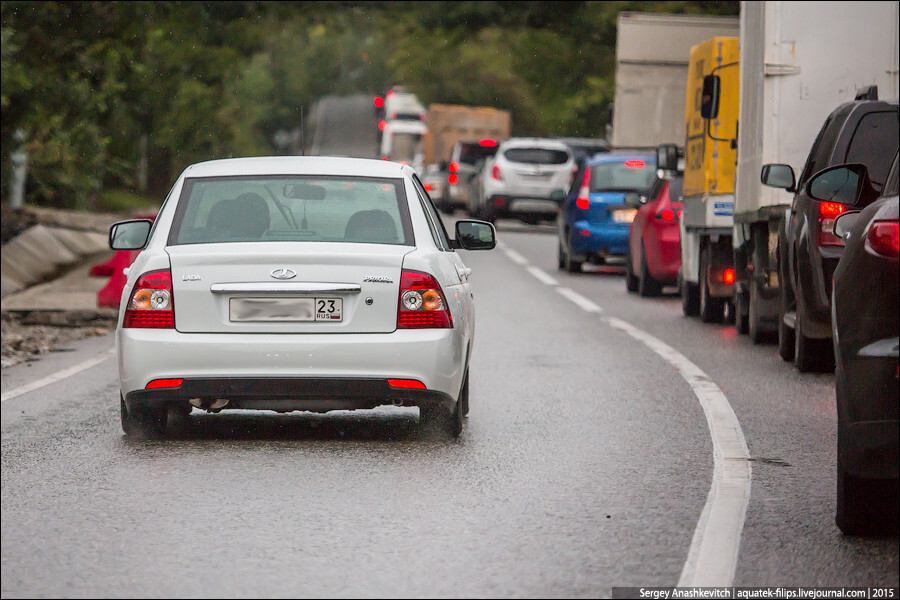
{"x":519,"y":180}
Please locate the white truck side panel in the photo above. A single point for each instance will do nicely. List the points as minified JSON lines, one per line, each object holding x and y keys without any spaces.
{"x":799,"y":61}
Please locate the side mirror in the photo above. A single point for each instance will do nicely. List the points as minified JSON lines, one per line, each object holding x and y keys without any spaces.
{"x":667,"y":157}
{"x":844,"y":223}
{"x":130,"y":235}
{"x":634,"y":199}
{"x":778,"y":176}
{"x":475,"y":235}
{"x":844,"y":184}
{"x":558,"y":196}
{"x":709,"y":100}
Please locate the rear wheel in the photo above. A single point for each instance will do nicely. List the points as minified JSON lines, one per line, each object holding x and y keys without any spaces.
{"x":631,"y":280}
{"x":810,"y":354}
{"x":572,"y":265}
{"x":560,"y":256}
{"x":647,"y":285}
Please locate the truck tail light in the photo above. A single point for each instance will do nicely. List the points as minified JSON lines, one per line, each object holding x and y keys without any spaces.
{"x":453,"y":179}
{"x":584,"y":192}
{"x":828,"y":212}
{"x":422,"y":304}
{"x":453,"y":167}
{"x":151,"y":305}
{"x":883,"y":238}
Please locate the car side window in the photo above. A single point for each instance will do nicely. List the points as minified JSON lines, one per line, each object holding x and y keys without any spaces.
{"x":821,"y":149}
{"x":434,"y":221}
{"x":874,"y":143}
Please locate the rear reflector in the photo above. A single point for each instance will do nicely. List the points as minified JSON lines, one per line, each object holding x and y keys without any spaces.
{"x":164,"y":383}
{"x":408,"y":384}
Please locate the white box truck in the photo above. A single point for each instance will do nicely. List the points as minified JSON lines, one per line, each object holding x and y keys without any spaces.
{"x":798,"y":62}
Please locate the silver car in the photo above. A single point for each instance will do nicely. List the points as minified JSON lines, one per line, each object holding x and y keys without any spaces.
{"x":295,"y":283}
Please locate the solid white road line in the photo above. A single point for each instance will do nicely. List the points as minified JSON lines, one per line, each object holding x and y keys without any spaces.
{"x":34,"y":385}
{"x":580,"y":300}
{"x":541,"y":276}
{"x":712,"y":558}
{"x":515,"y":256}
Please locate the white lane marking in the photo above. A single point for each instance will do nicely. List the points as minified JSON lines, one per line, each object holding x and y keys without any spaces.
{"x":515,"y":256}
{"x":712,"y":558}
{"x":34,"y":385}
{"x":580,"y":300}
{"x":541,"y":276}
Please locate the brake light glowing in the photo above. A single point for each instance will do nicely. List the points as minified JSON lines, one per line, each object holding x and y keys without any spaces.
{"x":634,"y":164}
{"x":379,"y":102}
{"x":452,"y":179}
{"x":428,"y":187}
{"x":496,"y":174}
{"x":666,"y":214}
{"x":389,"y":93}
{"x":152,"y":304}
{"x":164,"y":383}
{"x":382,"y":124}
{"x":422,"y":304}
{"x":486,"y":143}
{"x":883,"y":238}
{"x":454,"y":167}
{"x":408,"y":384}
{"x":584,"y":192}
{"x":728,"y":276}
{"x":828,"y":212}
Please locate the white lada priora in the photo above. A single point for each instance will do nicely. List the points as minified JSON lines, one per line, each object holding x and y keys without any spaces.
{"x":295,"y":283}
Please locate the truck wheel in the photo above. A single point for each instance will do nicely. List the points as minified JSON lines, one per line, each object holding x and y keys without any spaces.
{"x":647,"y":285}
{"x":712,"y":310}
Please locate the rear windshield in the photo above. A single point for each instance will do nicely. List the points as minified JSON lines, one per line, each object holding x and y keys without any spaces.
{"x":471,"y":153}
{"x":292,"y":209}
{"x":628,"y":176}
{"x":536,"y":156}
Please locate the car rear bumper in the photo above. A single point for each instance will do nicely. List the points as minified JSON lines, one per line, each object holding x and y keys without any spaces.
{"x":601,"y":239}
{"x":286,"y":366}
{"x":870,"y":449}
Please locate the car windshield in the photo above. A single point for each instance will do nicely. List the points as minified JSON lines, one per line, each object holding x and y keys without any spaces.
{"x":537,"y":156}
{"x":470,"y":154}
{"x":292,"y":209}
{"x":628,"y":176}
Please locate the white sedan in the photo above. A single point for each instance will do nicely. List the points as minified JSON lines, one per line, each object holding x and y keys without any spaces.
{"x":295,"y":283}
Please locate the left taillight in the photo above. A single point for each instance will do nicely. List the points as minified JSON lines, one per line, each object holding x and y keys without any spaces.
{"x":151,"y":305}
{"x":422,"y":303}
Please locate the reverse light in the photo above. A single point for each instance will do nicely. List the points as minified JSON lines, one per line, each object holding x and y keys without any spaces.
{"x":883,"y":238}
{"x":496,"y":174}
{"x":584,"y":192}
{"x":151,"y":305}
{"x":828,"y":212}
{"x":422,"y":304}
{"x":164,"y":383}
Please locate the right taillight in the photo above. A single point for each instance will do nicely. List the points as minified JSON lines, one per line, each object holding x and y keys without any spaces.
{"x":495,"y":173}
{"x":828,"y":212}
{"x":422,"y":303}
{"x":151,"y":304}
{"x":883,"y":238}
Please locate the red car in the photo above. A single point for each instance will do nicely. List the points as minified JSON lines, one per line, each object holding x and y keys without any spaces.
{"x":654,"y":245}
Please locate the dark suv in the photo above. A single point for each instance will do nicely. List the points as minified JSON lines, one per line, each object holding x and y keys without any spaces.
{"x":863,"y":131}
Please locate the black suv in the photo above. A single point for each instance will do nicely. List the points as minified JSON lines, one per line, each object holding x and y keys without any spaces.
{"x":863,"y":131}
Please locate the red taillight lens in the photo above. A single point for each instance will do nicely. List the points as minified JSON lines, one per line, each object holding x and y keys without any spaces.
{"x":422,"y":303}
{"x":883,"y":238}
{"x":728,"y":276}
{"x":152,"y":305}
{"x":583,"y":203}
{"x":379,"y":102}
{"x":634,"y":164}
{"x":486,"y":143}
{"x":452,"y":179}
{"x":164,"y":383}
{"x":496,"y":174}
{"x":454,"y":167}
{"x":408,"y":384}
{"x":828,"y":212}
{"x":428,"y":187}
{"x":666,"y":214}
{"x":382,"y":124}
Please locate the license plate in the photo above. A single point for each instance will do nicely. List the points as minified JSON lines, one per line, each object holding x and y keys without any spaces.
{"x":285,"y":310}
{"x":624,"y":215}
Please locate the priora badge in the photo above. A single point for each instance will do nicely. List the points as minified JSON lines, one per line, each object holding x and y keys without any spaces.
{"x":283,"y":273}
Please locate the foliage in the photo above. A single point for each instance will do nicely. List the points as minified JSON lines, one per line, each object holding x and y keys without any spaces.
{"x":99,"y":88}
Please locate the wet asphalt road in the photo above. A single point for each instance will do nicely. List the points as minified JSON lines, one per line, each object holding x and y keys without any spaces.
{"x":585,"y":464}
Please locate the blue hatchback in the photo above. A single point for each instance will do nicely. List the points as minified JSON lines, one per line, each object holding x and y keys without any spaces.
{"x":594,"y":219}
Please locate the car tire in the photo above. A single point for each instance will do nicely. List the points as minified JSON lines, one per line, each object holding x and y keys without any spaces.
{"x":741,"y":313}
{"x":560,"y":256}
{"x":690,"y":299}
{"x":811,"y":355}
{"x":142,"y":421}
{"x":572,"y":265}
{"x":647,"y":285}
{"x":866,"y":506}
{"x":712,"y":310}
{"x":631,"y":280}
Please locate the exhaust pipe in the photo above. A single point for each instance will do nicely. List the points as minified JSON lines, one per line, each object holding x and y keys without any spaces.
{"x":209,"y":404}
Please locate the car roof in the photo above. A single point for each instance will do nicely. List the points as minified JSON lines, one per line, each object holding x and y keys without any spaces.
{"x":295,"y":165}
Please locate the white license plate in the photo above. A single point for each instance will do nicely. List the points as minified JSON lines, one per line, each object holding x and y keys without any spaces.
{"x":624,"y":215}
{"x":285,"y":310}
